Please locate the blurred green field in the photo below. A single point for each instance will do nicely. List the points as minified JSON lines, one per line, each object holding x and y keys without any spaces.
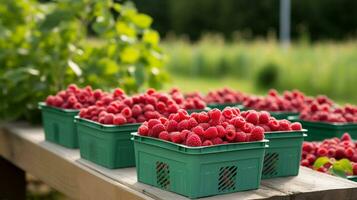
{"x":255,"y":66}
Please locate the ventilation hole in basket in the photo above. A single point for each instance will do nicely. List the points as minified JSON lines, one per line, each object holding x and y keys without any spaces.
{"x":227,"y":178}
{"x":270,"y":167}
{"x":162,"y":175}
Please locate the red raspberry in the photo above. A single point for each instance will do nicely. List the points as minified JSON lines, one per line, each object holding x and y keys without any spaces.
{"x":149,"y":107}
{"x":238,"y":121}
{"x":131,"y":120}
{"x":176,"y":137}
{"x":217,"y":140}
{"x":163,"y":120}
{"x":77,"y":106}
{"x":119,"y":120}
{"x":265,"y":127}
{"x":274,"y":125}
{"x":253,"y":117}
{"x":207,"y":143}
{"x":284,"y":125}
{"x":160,"y":106}
{"x":331,"y":153}
{"x":126,"y":112}
{"x":171,"y":125}
{"x":193,"y":140}
{"x":152,"y":115}
{"x":340,"y":153}
{"x":296,"y":126}
{"x":108,"y":118}
{"x":173,"y":108}
{"x":183,"y":125}
{"x":211,"y":132}
{"x":321,"y":151}
{"x":311,"y":158}
{"x":205,"y":126}
{"x":264,"y":117}
{"x":141,"y":118}
{"x":241,"y":137}
{"x":257,"y":134}
{"x":247,"y":128}
{"x":198,"y":130}
{"x":307,"y":146}
{"x":136,"y":110}
{"x":227,"y":113}
{"x":221,"y":131}
{"x":128,"y":102}
{"x":143,"y":130}
{"x":349,"y":152}
{"x":230,"y":136}
{"x":305,"y":163}
{"x":153,"y":122}
{"x":215,"y":114}
{"x":164,"y":135}
{"x":156,"y":130}
{"x":346,"y":137}
{"x":192,"y":122}
{"x":184,"y":134}
{"x":118,"y":92}
{"x":203,"y":117}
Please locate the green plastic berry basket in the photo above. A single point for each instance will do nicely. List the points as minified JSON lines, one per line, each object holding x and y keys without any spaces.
{"x":283,"y":115}
{"x":352,"y":178}
{"x":223,"y":106}
{"x":190,"y":111}
{"x":282,"y":157}
{"x":59,"y":125}
{"x":106,"y":145}
{"x":199,"y":171}
{"x":319,"y":131}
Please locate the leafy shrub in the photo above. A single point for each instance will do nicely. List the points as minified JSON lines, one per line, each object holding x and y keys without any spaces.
{"x":45,"y":46}
{"x":267,"y":76}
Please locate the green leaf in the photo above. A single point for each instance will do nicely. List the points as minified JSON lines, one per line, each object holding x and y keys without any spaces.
{"x":130,"y":55}
{"x":151,"y":37}
{"x":117,"y":7}
{"x":342,"y":167}
{"x":321,"y":161}
{"x":141,"y":20}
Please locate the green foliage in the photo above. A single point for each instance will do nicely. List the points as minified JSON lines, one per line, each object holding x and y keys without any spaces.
{"x":340,"y":168}
{"x":267,"y":76}
{"x":319,"y":19}
{"x":44,"y":47}
{"x":323,"y":68}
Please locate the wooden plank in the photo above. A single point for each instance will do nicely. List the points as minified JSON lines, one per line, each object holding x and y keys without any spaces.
{"x":63,"y":169}
{"x":12,"y":181}
{"x":56,"y":166}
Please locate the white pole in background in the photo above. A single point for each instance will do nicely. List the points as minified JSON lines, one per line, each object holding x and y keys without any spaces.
{"x":285,"y":23}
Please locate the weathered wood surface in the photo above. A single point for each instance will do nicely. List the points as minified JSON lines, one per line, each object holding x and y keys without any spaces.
{"x":62,"y":169}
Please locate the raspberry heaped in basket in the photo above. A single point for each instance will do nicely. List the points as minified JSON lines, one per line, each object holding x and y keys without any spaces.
{"x":135,"y":109}
{"x":214,"y":127}
{"x":75,"y":98}
{"x":224,"y":95}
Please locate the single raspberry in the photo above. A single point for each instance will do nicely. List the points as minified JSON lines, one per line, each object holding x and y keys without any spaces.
{"x":173,"y":108}
{"x":153,"y":122}
{"x":211,"y":132}
{"x":307,"y":146}
{"x":171,"y":125}
{"x":215,"y":114}
{"x":183,"y":125}
{"x":331,"y":153}
{"x":354,"y":167}
{"x":164,"y":135}
{"x":205,"y":126}
{"x":305,"y":163}
{"x":141,"y":118}
{"x":136,"y":110}
{"x":184,"y":134}
{"x":149,"y":107}
{"x":193,"y":140}
{"x":265,"y":127}
{"x":143,"y":130}
{"x":221,"y":131}
{"x":207,"y":143}
{"x":227,"y":113}
{"x":118,"y":92}
{"x":264,"y":117}
{"x":198,"y":130}
{"x":340,"y":153}
{"x":257,"y":134}
{"x":192,"y":122}
{"x":163,"y":120}
{"x":230,"y":136}
{"x":349,"y":152}
{"x":311,"y":158}
{"x":157,"y":129}
{"x":241,"y":137}
{"x":119,"y":120}
{"x":321,"y":151}
{"x":160,"y":106}
{"x":284,"y":125}
{"x":131,"y":120}
{"x":108,"y":118}
{"x":274,"y":125}
{"x":253,"y":118}
{"x":175,"y":137}
{"x":346,"y":137}
{"x":238,"y":121}
{"x":296,"y":126}
{"x":217,"y":140}
{"x":126,"y":112}
{"x":247,"y":128}
{"x":203,"y":117}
